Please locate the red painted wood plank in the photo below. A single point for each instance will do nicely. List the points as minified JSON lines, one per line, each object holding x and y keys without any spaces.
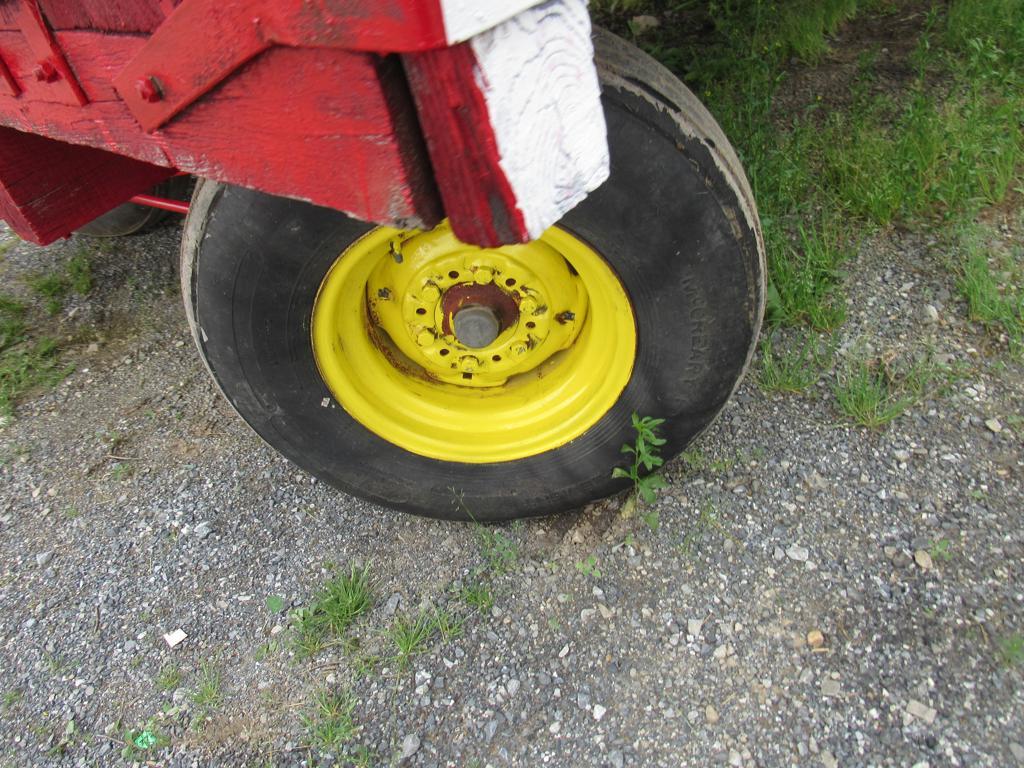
{"x":204,"y":41}
{"x":49,"y":188}
{"x":104,"y":15}
{"x":465,"y":156}
{"x":333,"y":127}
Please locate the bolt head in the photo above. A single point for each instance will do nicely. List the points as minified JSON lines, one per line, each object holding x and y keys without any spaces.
{"x":149,"y":89}
{"x":430,"y":292}
{"x":483,"y":276}
{"x":45,"y":72}
{"x":527,"y":306}
{"x":468,"y":363}
{"x":425,"y":338}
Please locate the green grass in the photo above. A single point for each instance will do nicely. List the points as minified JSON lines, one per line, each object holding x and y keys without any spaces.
{"x":53,"y":287}
{"x":1011,"y":650}
{"x":169,"y":677}
{"x":329,"y":725}
{"x":448,"y":623}
{"x":25,"y":363}
{"x":208,"y":694}
{"x":342,"y":600}
{"x":477,"y":595}
{"x":939,"y":147}
{"x":794,"y":365}
{"x":500,"y":552}
{"x":410,"y":636}
{"x":79,"y":274}
{"x":990,"y":284}
{"x":873,"y":392}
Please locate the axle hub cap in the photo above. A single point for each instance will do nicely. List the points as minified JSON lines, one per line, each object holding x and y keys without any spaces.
{"x":476,"y":326}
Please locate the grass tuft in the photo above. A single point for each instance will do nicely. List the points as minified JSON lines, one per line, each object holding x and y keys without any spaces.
{"x":794,"y":366}
{"x":342,"y":600}
{"x":329,"y":725}
{"x":998,"y":304}
{"x":410,"y":636}
{"x":208,"y":695}
{"x":874,"y":392}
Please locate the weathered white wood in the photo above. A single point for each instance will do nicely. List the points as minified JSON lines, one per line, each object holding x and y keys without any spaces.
{"x":536,"y":72}
{"x":465,"y":18}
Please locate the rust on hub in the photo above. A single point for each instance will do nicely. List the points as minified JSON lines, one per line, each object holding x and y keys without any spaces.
{"x":491,"y":296}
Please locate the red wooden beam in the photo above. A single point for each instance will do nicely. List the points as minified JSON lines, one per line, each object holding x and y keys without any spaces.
{"x":462,"y":146}
{"x":49,"y":188}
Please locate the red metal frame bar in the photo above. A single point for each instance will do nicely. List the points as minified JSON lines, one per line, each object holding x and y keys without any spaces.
{"x":163,"y":203}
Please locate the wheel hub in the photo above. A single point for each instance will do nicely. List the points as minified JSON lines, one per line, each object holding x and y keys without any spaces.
{"x":476,"y":326}
{"x":475,"y":317}
{"x":473,"y":355}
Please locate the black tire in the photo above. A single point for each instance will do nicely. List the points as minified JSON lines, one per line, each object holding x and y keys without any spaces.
{"x":677,"y":223}
{"x":132,"y":219}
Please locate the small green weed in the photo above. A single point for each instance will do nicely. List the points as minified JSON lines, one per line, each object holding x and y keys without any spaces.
{"x":1011,"y":650}
{"x":870,"y":393}
{"x":342,"y":600}
{"x":477,"y":595}
{"x":795,"y":367}
{"x":589,"y":567}
{"x":707,"y":519}
{"x":275,"y":603}
{"x":447,"y":623}
{"x":11,"y":697}
{"x":208,"y":695}
{"x":266,"y":650}
{"x":644,"y":451}
{"x":122,"y":471}
{"x":410,"y":636}
{"x":941,"y":549}
{"x":999,"y":307}
{"x":652,"y":519}
{"x":169,"y":677}
{"x":329,"y":725}
{"x":500,"y":552}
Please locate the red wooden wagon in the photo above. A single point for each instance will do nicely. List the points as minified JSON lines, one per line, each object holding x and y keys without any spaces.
{"x":439,"y":252}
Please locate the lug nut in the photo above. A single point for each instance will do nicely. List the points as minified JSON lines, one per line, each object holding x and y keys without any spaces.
{"x":430,"y":292}
{"x":425,"y":338}
{"x":483,"y":276}
{"x":527,"y":306}
{"x":468,"y":363}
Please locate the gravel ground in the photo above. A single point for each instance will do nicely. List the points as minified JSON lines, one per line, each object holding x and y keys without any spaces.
{"x":814,"y":593}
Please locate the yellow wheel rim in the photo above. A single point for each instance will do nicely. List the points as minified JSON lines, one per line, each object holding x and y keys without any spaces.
{"x":473,"y":355}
